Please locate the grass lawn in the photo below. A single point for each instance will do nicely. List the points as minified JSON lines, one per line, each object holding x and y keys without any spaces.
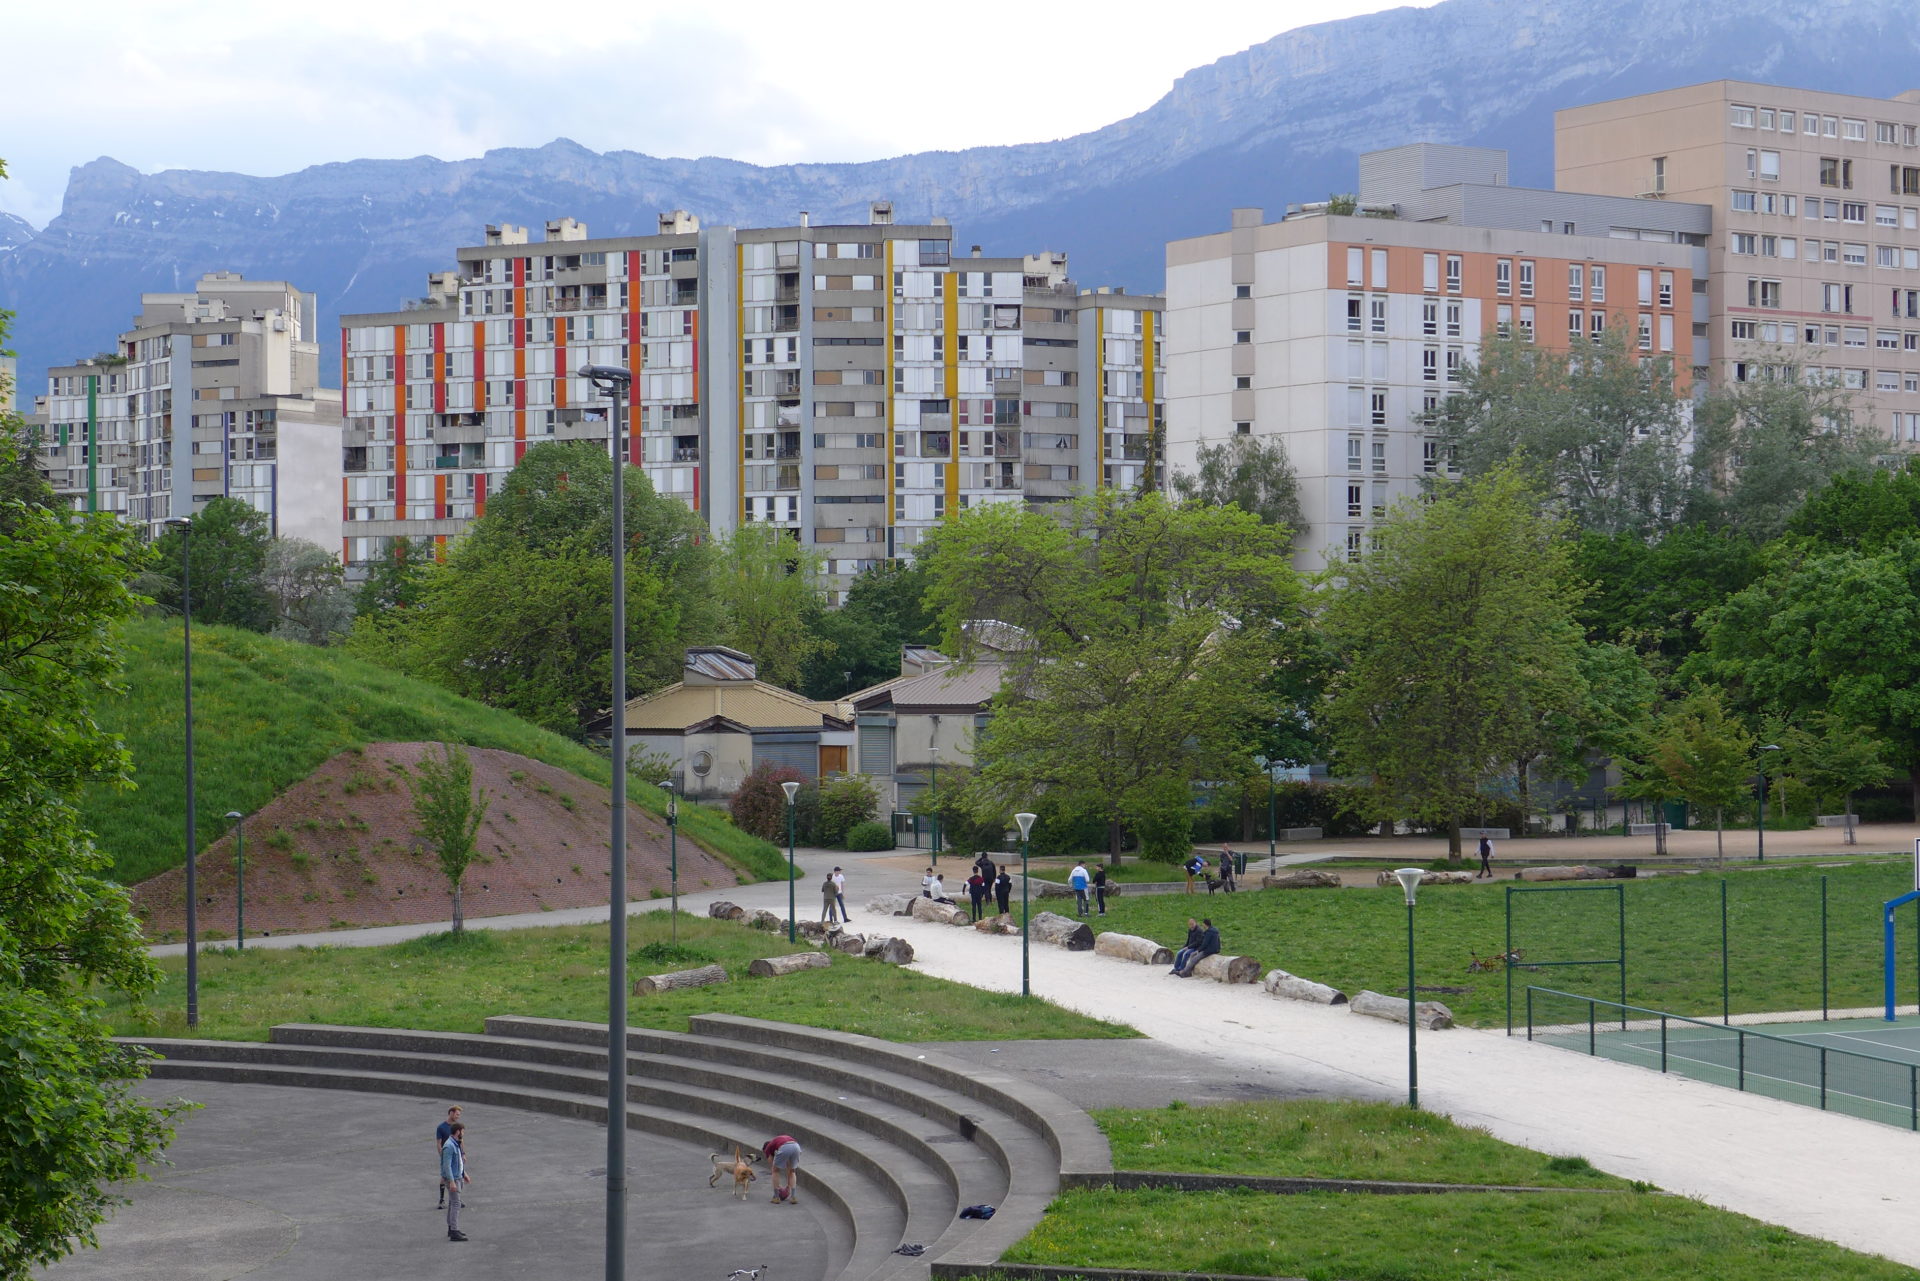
{"x":440,"y":983}
{"x":1312,"y":1138}
{"x":268,"y":712}
{"x":1466,"y":1236}
{"x":1357,"y":938}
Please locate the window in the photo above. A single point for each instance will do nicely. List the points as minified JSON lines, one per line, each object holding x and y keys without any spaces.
{"x":1906,"y":180}
{"x":1453,"y":319}
{"x":1577,"y":281}
{"x":1430,"y":273}
{"x":1829,"y":127}
{"x":1883,"y":131}
{"x":1886,"y":256}
{"x":1743,"y":201}
{"x":1353,"y":453}
{"x":1659,"y":175}
{"x":1243,"y":291}
{"x":1379,"y":455}
{"x":1377,"y":315}
{"x":1742,"y":117}
{"x":1379,"y":257}
{"x":1243,"y":429}
{"x":1853,"y":130}
{"x":1503,"y":277}
{"x":1355,"y":499}
{"x":1829,"y":171}
{"x":1666,"y":333}
{"x":1243,"y":382}
{"x":1853,"y":211}
{"x":1854,"y":255}
{"x":1503,"y":320}
{"x":1887,"y":339}
{"x":1526,"y":323}
{"x":1596,"y":325}
{"x":1453,"y":273}
{"x":1597,"y":278}
{"x":1356,"y":267}
{"x":1763,"y":293}
{"x":1786,"y":122}
{"x":1830,"y":251}
{"x":1526,"y":278}
{"x":1766,"y":117}
{"x":1646,"y":287}
{"x":1429,"y":455}
{"x":1576,"y":325}
{"x":1645,"y":331}
{"x":1454,"y":358}
{"x":1377,"y":407}
{"x":1769,"y":166}
{"x":1242,"y":336}
{"x":1745,"y":243}
{"x":1834,"y":298}
{"x":1430,"y":317}
{"x":1430,"y":364}
{"x":1354,"y":306}
{"x":1356,"y":535}
{"x":1886,"y":215}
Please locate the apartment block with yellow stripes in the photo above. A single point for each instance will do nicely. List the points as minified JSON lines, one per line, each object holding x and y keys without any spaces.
{"x":854,"y":383}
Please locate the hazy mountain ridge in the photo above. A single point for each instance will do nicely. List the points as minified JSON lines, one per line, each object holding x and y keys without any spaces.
{"x":1275,"y":123}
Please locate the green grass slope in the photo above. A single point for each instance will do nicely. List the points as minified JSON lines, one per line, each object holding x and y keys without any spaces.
{"x":268,"y":712}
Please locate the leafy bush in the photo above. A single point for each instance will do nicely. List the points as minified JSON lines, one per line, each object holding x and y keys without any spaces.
{"x":760,"y":806}
{"x":1162,"y":812}
{"x":869,"y":835}
{"x":846,"y":800}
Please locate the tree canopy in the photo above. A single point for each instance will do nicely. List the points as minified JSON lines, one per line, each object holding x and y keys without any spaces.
{"x":226,"y":551}
{"x":1251,"y":473}
{"x":770,"y":596}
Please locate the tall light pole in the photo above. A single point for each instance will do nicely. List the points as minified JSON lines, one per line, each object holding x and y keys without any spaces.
{"x":1409,"y":878}
{"x":185,"y":525}
{"x":613,"y":381}
{"x":1760,"y":806}
{"x":792,"y":789}
{"x":239,"y":879}
{"x":1273,"y":850}
{"x":673,"y":839}
{"x":1026,"y":826}
{"x":933,"y":754}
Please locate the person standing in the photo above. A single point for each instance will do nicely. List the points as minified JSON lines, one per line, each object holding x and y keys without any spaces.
{"x":1003,"y":891}
{"x":453,"y":1177}
{"x":782,"y":1152}
{"x":840,"y":893}
{"x":1486,"y":858}
{"x":987,"y":870}
{"x":977,"y":894}
{"x":1226,"y":870}
{"x":829,"y":899}
{"x":1100,"y":887}
{"x":440,"y":1133}
{"x":1077,"y":879}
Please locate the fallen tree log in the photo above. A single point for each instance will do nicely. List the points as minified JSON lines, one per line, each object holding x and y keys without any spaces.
{"x":1228,"y":969}
{"x":1001,"y":924}
{"x":725,"y":911}
{"x":702,"y":977}
{"x":1294,"y":988}
{"x":890,"y":951}
{"x":768,"y":967}
{"x":853,"y":944}
{"x":1386,"y":878}
{"x":1300,"y":880}
{"x":761,"y":919}
{"x":891,"y":904}
{"x":1131,"y":947}
{"x":1429,"y":1014}
{"x":1580,"y":873}
{"x":926,"y":909}
{"x":1062,"y":931}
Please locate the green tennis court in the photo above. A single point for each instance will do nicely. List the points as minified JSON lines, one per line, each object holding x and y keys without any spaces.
{"x":1863,"y":1067}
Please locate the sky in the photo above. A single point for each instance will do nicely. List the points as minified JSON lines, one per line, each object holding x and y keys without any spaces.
{"x":264,"y":88}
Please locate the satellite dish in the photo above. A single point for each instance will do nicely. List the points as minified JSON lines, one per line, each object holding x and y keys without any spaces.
{"x":702,"y":763}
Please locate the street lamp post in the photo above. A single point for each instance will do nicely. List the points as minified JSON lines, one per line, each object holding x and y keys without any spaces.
{"x":933,"y":754}
{"x":1026,"y":827}
{"x":185,"y":525}
{"x":613,"y":382}
{"x":1760,"y":805}
{"x":239,"y":879}
{"x":792,"y":789}
{"x":673,"y":844}
{"x":1409,"y":878}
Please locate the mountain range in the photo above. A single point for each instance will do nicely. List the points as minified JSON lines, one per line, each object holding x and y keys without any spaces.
{"x":1280,"y":122}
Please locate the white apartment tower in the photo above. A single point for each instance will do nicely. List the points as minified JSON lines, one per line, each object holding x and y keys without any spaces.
{"x":211,"y":393}
{"x":852,"y":383}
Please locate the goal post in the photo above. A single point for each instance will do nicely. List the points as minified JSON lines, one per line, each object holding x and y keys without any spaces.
{"x":1887,"y":910}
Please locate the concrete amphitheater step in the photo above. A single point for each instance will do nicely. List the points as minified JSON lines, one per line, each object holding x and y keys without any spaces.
{"x":863,"y":1220}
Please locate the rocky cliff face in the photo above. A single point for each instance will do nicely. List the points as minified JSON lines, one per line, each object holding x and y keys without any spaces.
{"x":1279,"y":122}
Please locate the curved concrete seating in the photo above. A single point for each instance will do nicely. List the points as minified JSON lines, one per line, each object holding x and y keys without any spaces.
{"x":896,"y":1141}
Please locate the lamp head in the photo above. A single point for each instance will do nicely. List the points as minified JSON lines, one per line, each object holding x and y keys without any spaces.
{"x":178,"y":522}
{"x":792,"y":790}
{"x":934,"y":752}
{"x":234,"y":816}
{"x":667,"y":786}
{"x":1025,"y":822}
{"x":607,"y":377}
{"x":1770,"y":747}
{"x":1409,"y":878}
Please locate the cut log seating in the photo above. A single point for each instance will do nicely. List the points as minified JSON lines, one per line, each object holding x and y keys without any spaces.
{"x":926,"y":909}
{"x":702,"y":977}
{"x":1300,"y":880}
{"x":1294,"y":988}
{"x":1002,"y":924}
{"x":1299,"y":833}
{"x":1131,"y":947}
{"x":891,"y":904}
{"x":721,"y":910}
{"x":897,"y":1139}
{"x":768,"y":967}
{"x":852,"y":944}
{"x":761,"y":919}
{"x":1581,"y":873}
{"x":1429,"y":1014}
{"x":1386,"y":878}
{"x":1222,"y":968}
{"x":1061,"y":931}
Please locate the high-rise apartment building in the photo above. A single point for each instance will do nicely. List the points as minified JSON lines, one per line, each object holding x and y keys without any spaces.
{"x":1814,"y":259}
{"x":211,"y":393}
{"x":854,"y":383}
{"x":1337,"y":332}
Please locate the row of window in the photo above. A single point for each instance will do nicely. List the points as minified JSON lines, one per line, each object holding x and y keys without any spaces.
{"x":1816,"y":124}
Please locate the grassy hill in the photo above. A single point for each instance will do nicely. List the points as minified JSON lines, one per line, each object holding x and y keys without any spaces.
{"x":267,"y":713}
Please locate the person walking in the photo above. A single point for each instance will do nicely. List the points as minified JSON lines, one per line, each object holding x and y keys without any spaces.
{"x":453,"y":1177}
{"x":1003,"y":891}
{"x":1209,"y":946}
{"x":829,"y":899}
{"x":1100,"y":887}
{"x":840,"y":894}
{"x":440,"y":1134}
{"x":977,"y":894}
{"x":1192,"y":946}
{"x":1079,"y":881}
{"x":1486,"y":858}
{"x":782,"y":1152}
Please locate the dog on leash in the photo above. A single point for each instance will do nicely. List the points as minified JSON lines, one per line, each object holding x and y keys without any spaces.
{"x":739,"y":1165}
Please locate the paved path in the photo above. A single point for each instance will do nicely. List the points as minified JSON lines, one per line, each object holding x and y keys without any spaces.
{"x":1822,"y":1174}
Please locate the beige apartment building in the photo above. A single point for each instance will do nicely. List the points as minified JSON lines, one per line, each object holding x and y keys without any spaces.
{"x":1814,"y":258}
{"x":1337,"y":333}
{"x":852,"y":383}
{"x":212,"y":393}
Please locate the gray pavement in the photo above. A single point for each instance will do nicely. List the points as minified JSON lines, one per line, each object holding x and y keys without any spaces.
{"x":277,"y":1183}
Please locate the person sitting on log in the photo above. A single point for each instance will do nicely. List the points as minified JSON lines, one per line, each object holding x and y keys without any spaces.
{"x":1209,"y":946}
{"x":1186,"y":953}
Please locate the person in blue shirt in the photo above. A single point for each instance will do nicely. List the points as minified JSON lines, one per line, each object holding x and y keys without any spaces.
{"x":453,"y":1177}
{"x":1079,"y":880}
{"x":440,"y":1133}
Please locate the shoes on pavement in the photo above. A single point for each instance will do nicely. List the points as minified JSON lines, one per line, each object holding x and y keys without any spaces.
{"x":456,"y":1236}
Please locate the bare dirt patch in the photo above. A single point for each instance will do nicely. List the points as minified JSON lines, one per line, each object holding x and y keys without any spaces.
{"x":338,"y":850}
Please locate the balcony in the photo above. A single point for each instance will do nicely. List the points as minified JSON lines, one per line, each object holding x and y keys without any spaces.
{"x":686,"y":455}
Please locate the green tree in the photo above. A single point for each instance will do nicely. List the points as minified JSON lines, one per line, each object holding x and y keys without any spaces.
{"x":884,"y":610}
{"x":1617,"y":693}
{"x":446,"y":814}
{"x":1836,"y":759}
{"x":770,"y":595}
{"x":1254,"y":475}
{"x":228,"y":543}
{"x":1861,"y":510}
{"x":70,"y":1126}
{"x":311,"y":603}
{"x":1456,"y":640}
{"x":844,"y":800}
{"x":1144,"y":629}
{"x":1705,"y":754}
{"x":1601,"y":434}
{"x":1653,"y":597}
{"x":1763,"y":447}
{"x":397,"y":579}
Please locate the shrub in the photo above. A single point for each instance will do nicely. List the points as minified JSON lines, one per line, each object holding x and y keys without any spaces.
{"x":760,"y":806}
{"x":869,"y":835}
{"x":846,"y":800}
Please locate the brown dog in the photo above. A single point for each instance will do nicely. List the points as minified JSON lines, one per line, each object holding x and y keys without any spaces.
{"x":739,"y":1165}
